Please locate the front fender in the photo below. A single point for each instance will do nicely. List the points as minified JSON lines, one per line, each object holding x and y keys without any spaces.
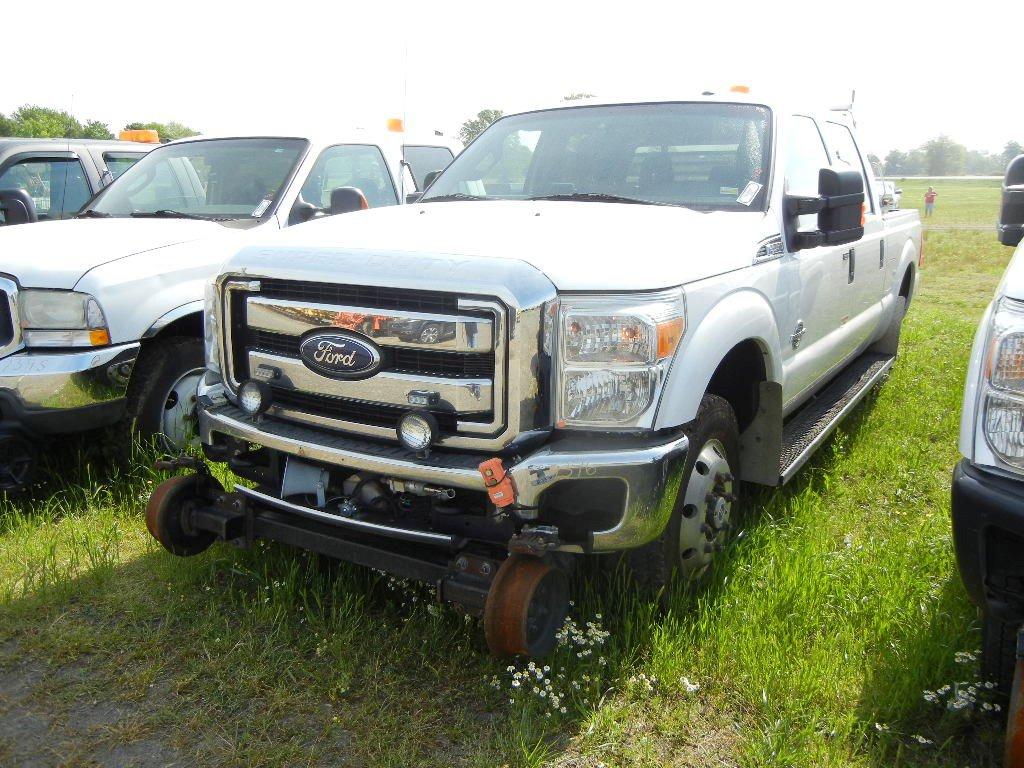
{"x":741,"y":316}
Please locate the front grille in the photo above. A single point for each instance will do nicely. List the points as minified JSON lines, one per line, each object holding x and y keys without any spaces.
{"x":359,"y":295}
{"x":456,"y":365}
{"x":352,"y":410}
{"x":360,"y":406}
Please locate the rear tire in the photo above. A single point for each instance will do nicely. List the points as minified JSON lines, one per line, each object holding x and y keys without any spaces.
{"x":703,"y":516}
{"x":890,"y":342}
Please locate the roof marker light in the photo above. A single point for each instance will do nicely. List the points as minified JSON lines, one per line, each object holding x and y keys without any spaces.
{"x":395,"y":124}
{"x":739,"y":89}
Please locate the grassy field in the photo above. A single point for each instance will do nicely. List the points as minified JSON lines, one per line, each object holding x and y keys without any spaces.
{"x":816,"y":641}
{"x":961,"y":203}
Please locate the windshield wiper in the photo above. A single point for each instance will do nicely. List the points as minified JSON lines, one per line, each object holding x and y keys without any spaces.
{"x":601,"y":197}
{"x":167,"y":213}
{"x":455,"y":196}
{"x":92,"y":214}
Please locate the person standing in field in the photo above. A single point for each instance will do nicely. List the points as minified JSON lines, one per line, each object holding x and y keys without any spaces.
{"x":929,"y":201}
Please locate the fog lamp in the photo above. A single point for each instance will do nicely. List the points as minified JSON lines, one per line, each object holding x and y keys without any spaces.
{"x":418,"y":430}
{"x":254,"y":397}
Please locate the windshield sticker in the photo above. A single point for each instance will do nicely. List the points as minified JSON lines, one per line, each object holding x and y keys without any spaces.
{"x":730,"y":191}
{"x":260,"y":209}
{"x":749,"y":193}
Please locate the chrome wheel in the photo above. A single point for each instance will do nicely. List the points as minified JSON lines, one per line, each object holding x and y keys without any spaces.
{"x":706,"y":515}
{"x":178,"y":424}
{"x":430,"y":335}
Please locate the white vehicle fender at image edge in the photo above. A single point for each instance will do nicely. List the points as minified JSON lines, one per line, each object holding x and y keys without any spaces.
{"x":741,"y":316}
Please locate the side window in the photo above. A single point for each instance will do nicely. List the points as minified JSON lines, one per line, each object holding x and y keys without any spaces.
{"x":119,"y":162}
{"x":845,"y":157}
{"x":350,"y":165}
{"x":422,"y":160}
{"x":58,"y":186}
{"x":805,"y":157}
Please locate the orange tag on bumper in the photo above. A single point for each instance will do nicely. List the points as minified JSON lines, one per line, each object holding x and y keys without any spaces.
{"x":498,"y":483}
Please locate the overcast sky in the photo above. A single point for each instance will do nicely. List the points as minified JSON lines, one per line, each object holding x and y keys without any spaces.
{"x":919,"y":69}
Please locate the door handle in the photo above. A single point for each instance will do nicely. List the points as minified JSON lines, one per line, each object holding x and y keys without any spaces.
{"x":850,"y":257}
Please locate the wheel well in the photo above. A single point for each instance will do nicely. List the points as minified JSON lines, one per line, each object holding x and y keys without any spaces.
{"x":187,"y":325}
{"x":737,"y":379}
{"x":908,"y":283}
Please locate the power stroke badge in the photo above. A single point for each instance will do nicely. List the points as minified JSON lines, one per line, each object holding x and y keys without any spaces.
{"x":340,"y":355}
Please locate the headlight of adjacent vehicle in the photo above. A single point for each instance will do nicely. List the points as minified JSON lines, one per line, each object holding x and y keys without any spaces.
{"x":211,"y":328}
{"x":1003,"y":384}
{"x":613,"y":352}
{"x":62,"y":319}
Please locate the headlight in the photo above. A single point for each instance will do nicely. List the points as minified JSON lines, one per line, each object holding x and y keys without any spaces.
{"x":1003,"y":387}
{"x":211,"y":328}
{"x":613,"y":353}
{"x":62,"y":319}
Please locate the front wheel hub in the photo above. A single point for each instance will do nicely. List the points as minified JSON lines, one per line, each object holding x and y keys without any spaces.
{"x":526,"y":606}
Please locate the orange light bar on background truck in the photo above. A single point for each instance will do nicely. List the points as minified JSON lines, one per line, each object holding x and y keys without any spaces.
{"x":143,"y":135}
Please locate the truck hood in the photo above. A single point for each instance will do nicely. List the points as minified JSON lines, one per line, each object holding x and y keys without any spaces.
{"x":56,"y":254}
{"x":579,"y":246}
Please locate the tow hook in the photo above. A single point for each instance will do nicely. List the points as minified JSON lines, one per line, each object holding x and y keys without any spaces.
{"x":180,"y":462}
{"x":536,"y":540}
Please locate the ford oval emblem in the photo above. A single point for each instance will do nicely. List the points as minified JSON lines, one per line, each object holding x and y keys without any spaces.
{"x":340,"y":355}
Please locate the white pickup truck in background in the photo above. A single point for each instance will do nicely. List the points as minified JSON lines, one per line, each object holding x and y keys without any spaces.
{"x":597,"y":322}
{"x":101,"y":315}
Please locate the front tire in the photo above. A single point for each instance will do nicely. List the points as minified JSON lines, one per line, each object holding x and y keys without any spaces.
{"x":161,"y":397}
{"x":703,"y":517}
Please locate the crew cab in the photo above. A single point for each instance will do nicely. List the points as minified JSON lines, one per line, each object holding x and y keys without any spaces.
{"x":638,"y":305}
{"x":988,"y":483}
{"x":58,"y":176}
{"x":101,"y":315}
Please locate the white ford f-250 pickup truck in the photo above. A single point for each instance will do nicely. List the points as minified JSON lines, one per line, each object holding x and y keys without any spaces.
{"x":101,"y":316}
{"x":597,"y":322}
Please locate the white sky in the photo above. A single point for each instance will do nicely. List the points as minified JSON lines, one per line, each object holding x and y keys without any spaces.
{"x":919,"y":68}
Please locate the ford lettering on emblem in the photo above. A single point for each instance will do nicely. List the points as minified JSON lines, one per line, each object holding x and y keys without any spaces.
{"x":340,"y":355}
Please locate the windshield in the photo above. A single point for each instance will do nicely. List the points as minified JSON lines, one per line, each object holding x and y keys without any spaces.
{"x":219,"y":179}
{"x":706,"y":156}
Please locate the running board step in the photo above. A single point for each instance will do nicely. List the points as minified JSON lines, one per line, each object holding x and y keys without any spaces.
{"x":813,"y":423}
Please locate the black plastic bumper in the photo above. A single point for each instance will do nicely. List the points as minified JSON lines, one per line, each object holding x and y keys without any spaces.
{"x":988,"y":533}
{"x":60,"y":421}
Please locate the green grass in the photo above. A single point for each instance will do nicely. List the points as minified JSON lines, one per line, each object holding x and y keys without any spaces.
{"x":838,"y":607}
{"x":961,"y":203}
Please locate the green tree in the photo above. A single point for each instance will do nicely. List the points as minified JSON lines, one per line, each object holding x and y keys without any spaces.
{"x":981,"y":163}
{"x":944,"y":157}
{"x":1010,"y":151}
{"x":33,"y":121}
{"x":167,"y":131}
{"x":476,"y":125}
{"x":896,"y":163}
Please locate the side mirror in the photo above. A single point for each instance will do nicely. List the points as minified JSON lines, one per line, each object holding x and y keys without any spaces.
{"x":840,"y":209}
{"x":413,"y":197}
{"x":17,"y":207}
{"x":346,"y":200}
{"x":899,"y":191}
{"x":429,"y":178}
{"x":1011,"y":213}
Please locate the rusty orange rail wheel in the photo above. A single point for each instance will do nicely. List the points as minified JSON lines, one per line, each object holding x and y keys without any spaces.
{"x":526,"y":606}
{"x":166,"y":516}
{"x":1015,"y":720}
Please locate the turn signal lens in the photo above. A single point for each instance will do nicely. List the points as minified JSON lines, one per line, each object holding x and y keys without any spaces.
{"x":99,"y":337}
{"x":669,"y":334}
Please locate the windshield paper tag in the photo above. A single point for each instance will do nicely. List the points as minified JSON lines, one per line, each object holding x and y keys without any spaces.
{"x":749,"y":193}
{"x":260,"y":209}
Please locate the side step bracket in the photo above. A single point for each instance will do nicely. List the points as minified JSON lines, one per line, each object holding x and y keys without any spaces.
{"x":813,"y":423}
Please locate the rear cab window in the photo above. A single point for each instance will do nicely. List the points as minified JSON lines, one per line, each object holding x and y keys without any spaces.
{"x":846,"y":157}
{"x":119,"y":162}
{"x":423,"y":159}
{"x":350,"y":165}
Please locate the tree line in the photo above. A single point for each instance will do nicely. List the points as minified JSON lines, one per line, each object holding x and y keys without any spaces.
{"x":36,"y":122}
{"x":944,"y":157}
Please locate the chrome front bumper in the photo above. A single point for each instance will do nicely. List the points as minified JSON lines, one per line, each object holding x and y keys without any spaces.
{"x":651,"y":472}
{"x":45,"y":387}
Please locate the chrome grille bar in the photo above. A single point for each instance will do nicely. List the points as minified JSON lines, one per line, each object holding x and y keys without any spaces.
{"x":388,"y":328}
{"x":459,"y":395}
